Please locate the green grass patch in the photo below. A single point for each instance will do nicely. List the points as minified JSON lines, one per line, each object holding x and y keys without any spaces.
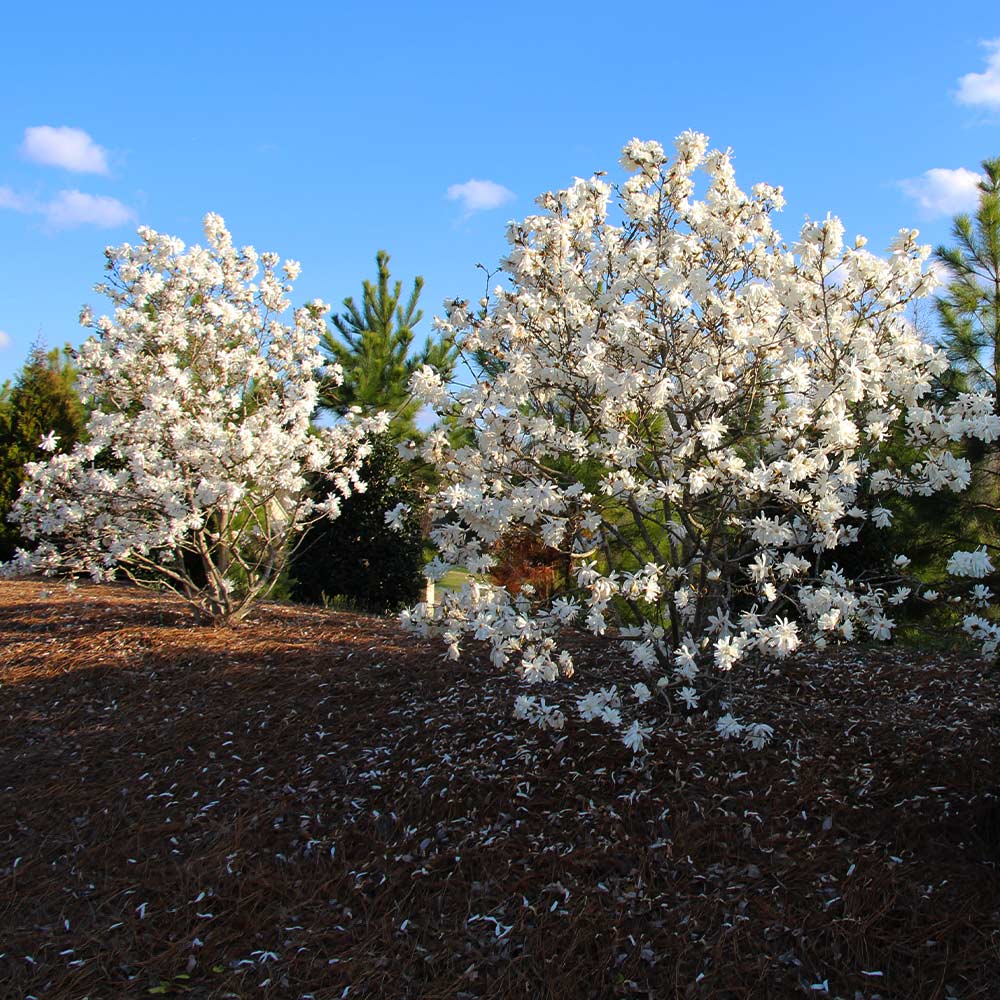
{"x":453,"y":579}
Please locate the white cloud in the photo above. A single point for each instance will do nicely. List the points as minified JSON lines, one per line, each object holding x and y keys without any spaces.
{"x":69,"y":209}
{"x":75,"y":208}
{"x":983,"y":88}
{"x":70,"y":148}
{"x":480,"y":196}
{"x":9,"y":198}
{"x":941,"y":191}
{"x":4,"y":340}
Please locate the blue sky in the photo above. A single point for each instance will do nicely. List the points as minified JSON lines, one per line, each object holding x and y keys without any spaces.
{"x":325,"y":132}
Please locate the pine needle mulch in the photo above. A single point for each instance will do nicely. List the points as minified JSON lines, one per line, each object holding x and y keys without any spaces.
{"x":318,"y":805}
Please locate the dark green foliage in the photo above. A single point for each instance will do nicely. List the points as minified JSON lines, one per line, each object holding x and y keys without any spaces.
{"x":42,"y":399}
{"x":372,"y":345}
{"x":357,"y":560}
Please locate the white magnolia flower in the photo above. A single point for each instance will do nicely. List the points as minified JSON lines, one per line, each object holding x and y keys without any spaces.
{"x":728,"y":727}
{"x":635,"y":736}
{"x":881,"y":517}
{"x":689,"y":696}
{"x":396,"y":518}
{"x":757,"y":735}
{"x":881,"y":627}
{"x":590,"y":706}
{"x":641,"y":692}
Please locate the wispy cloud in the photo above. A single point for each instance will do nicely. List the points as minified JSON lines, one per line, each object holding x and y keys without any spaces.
{"x":940,"y":191}
{"x":69,"y":209}
{"x":4,"y":340}
{"x":983,"y":89}
{"x":480,"y":196}
{"x":9,"y":198}
{"x":75,"y":208}
{"x":61,"y":146}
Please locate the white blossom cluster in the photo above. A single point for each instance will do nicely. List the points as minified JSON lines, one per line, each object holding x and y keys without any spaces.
{"x":193,"y":470}
{"x":973,"y":564}
{"x":698,"y":416}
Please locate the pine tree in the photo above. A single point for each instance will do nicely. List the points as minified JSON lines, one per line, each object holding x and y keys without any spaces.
{"x":969,"y":315}
{"x":969,"y":309}
{"x":372,"y":344}
{"x":358,"y":558}
{"x":42,"y":399}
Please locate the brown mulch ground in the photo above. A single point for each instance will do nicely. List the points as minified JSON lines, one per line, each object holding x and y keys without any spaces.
{"x":318,"y":805}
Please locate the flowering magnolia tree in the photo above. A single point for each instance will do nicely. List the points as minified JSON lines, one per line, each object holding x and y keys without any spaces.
{"x":698,"y":416}
{"x":193,"y":471}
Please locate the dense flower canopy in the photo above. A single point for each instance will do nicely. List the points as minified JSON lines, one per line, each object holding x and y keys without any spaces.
{"x":193,"y":474}
{"x":698,"y":416}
